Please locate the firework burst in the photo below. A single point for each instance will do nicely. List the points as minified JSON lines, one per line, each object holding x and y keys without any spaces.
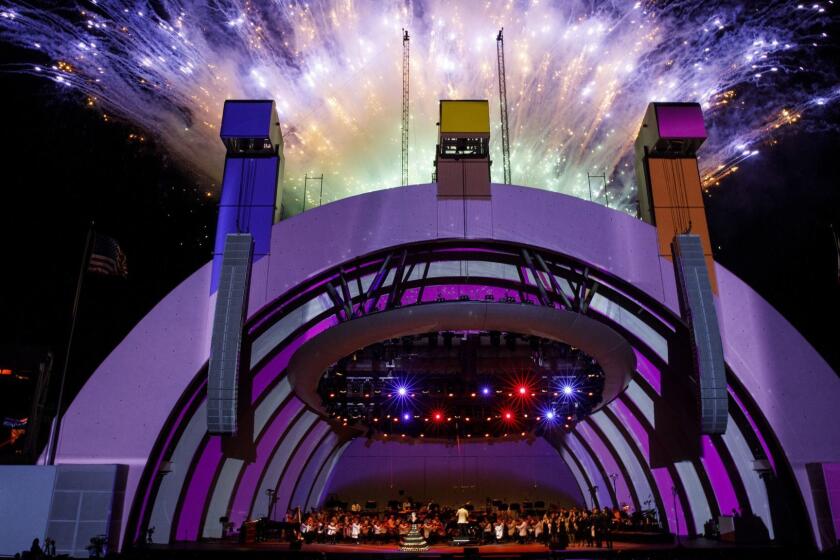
{"x":580,"y":75}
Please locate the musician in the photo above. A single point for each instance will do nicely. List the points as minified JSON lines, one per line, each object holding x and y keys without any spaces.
{"x":599,"y":523}
{"x":345,"y":525}
{"x":366,"y":530}
{"x":379,"y":531}
{"x":607,"y":528}
{"x":499,"y":529}
{"x":463,"y":516}
{"x":441,"y":529}
{"x":487,"y":536}
{"x":332,"y":531}
{"x":428,"y":529}
{"x":522,"y":529}
{"x":570,"y":524}
{"x":306,"y":530}
{"x":536,"y":529}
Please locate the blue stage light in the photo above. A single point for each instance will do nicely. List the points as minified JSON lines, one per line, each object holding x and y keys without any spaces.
{"x":485,"y":391}
{"x":549,"y":415}
{"x":402,"y":391}
{"x":568,"y":390}
{"x":406,"y":416}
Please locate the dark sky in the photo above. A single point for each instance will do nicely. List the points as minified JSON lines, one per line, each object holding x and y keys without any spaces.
{"x":64,"y":166}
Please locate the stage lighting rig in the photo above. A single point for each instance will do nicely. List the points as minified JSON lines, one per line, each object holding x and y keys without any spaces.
{"x":472,"y":385}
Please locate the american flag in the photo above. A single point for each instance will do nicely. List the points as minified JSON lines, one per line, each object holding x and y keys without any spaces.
{"x":107,"y":258}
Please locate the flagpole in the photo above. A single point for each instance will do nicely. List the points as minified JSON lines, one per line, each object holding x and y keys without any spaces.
{"x":837,"y":247}
{"x":52,"y":444}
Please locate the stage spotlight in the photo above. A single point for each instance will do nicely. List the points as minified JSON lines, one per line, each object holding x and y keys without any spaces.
{"x":402,"y":391}
{"x":437,"y":416}
{"x":508,"y":415}
{"x":568,"y":390}
{"x":406,"y":416}
{"x":485,"y":391}
{"x":523,"y":390}
{"x":549,"y":415}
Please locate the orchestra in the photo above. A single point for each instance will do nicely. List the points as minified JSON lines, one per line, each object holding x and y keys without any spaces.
{"x":554,"y":527}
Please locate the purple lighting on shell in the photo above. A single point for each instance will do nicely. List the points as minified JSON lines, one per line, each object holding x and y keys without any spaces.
{"x":189,"y":524}
{"x":753,"y":425}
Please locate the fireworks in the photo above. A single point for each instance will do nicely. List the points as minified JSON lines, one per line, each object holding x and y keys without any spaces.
{"x":579,"y":78}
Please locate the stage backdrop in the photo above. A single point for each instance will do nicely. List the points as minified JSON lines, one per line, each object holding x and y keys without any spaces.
{"x":451,"y":475}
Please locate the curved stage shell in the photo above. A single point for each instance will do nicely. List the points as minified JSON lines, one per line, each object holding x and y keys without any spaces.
{"x":144,"y":407}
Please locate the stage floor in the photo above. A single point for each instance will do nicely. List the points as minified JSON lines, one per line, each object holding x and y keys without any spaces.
{"x":696,"y":548}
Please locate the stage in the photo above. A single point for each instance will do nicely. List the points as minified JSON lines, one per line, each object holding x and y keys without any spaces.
{"x":695,"y":548}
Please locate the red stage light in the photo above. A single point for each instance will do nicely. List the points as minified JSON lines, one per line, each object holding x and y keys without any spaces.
{"x":508,"y":415}
{"x":438,"y":416}
{"x":523,"y":390}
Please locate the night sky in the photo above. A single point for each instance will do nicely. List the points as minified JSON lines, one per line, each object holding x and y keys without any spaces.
{"x":65,"y":166}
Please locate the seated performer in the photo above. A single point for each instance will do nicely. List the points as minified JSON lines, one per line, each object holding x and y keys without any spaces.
{"x":499,"y":529}
{"x":378,"y":531}
{"x":523,"y":530}
{"x":332,"y":531}
{"x":355,"y":530}
{"x":307,"y":529}
{"x":487,"y":532}
{"x":428,"y":528}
